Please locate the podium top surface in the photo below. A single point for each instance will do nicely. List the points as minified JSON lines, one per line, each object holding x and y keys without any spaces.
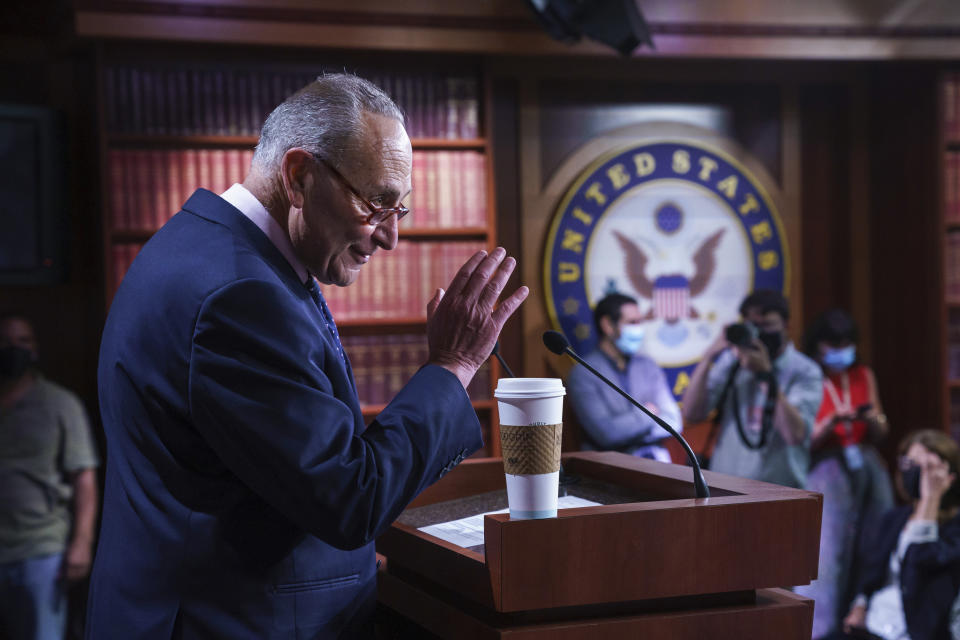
{"x":649,"y":539}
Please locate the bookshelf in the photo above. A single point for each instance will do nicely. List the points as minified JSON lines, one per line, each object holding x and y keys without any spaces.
{"x":169,"y":127}
{"x":950,"y":230}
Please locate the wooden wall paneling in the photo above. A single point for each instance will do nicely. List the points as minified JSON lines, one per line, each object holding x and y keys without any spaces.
{"x":861,"y":298}
{"x":792,"y":198}
{"x":67,"y":315}
{"x":825,"y":201}
{"x":904,"y":235}
{"x":504,"y":138}
{"x":753,"y":29}
{"x":535,"y":217}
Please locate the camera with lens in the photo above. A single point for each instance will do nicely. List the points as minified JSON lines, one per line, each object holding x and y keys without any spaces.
{"x":741,"y":334}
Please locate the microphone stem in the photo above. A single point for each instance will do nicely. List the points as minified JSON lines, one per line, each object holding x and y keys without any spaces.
{"x":699,"y":483}
{"x":503,"y":364}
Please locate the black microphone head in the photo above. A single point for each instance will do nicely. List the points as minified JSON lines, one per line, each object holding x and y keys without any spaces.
{"x":555,"y":341}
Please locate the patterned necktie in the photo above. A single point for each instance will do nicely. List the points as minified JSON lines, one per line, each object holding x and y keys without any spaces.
{"x":314,"y":290}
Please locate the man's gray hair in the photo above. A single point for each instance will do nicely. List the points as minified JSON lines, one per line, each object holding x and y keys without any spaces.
{"x":325,"y":117}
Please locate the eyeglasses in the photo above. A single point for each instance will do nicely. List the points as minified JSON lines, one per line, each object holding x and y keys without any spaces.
{"x":377,"y":214}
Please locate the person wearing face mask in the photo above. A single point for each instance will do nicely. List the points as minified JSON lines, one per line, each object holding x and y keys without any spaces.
{"x":845,"y":467}
{"x":765,"y":394}
{"x":608,"y":421}
{"x":909,"y":565}
{"x":48,"y":491}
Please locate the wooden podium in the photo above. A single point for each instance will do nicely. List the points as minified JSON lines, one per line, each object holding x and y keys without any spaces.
{"x":651,"y":562}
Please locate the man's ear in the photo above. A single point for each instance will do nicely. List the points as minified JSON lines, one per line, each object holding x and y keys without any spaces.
{"x":295,"y":175}
{"x":606,"y":325}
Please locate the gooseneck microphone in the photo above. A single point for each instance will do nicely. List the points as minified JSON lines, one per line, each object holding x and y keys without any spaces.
{"x":503,"y":363}
{"x":557,"y":343}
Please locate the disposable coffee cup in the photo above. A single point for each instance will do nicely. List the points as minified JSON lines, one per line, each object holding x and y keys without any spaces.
{"x":531,"y":428}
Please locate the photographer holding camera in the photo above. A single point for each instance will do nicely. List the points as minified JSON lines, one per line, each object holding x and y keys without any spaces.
{"x":765,"y":392}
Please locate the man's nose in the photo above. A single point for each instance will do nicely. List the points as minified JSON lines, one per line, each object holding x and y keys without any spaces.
{"x":386,"y":234}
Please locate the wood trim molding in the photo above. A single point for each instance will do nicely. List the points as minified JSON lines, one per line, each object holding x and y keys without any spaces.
{"x":278,"y":12}
{"x":500,"y":28}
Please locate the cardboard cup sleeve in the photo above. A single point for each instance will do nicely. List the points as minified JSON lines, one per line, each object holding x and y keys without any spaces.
{"x":531,"y":449}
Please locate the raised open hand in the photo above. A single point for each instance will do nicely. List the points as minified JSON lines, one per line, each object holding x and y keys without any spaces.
{"x":462,"y":324}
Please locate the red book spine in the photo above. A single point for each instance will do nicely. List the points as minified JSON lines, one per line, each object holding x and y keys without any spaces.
{"x":131,"y":194}
{"x":360,"y":361}
{"x":143,"y":213}
{"x":378,"y":376}
{"x":412,"y":219}
{"x":218,"y":170}
{"x":432,"y":217}
{"x":445,"y":189}
{"x":473,"y":193}
{"x":117,"y":160}
{"x":458,"y":203}
{"x":158,"y":187}
{"x":427,"y":286}
{"x":174,"y":189}
{"x":188,"y":166}
{"x":203,"y":169}
{"x":407,"y":303}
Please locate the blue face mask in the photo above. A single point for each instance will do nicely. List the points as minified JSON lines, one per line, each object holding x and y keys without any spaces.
{"x":631,"y":339}
{"x":839,"y":359}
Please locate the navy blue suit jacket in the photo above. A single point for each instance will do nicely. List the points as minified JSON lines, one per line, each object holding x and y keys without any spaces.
{"x":243,"y":492}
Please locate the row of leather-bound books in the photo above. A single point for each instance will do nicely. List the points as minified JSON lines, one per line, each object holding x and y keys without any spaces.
{"x":394,"y":285}
{"x":179,"y":100}
{"x":383,"y":364}
{"x":147,"y":186}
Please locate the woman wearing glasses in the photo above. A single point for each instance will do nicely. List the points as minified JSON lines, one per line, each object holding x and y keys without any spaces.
{"x":910,"y":561}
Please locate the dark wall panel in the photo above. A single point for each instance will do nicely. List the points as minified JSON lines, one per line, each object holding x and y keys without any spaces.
{"x":904,"y":235}
{"x":68,"y":315}
{"x":825,"y":198}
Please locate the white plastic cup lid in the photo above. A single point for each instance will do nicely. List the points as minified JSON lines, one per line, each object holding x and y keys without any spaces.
{"x":529,"y":388}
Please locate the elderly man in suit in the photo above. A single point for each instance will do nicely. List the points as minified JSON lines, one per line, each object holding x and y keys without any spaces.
{"x":243,"y":491}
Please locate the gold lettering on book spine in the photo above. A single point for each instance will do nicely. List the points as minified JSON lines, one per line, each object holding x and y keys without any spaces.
{"x":531,"y":449}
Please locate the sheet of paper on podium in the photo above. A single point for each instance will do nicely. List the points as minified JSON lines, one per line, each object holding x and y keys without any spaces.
{"x":468,"y":532}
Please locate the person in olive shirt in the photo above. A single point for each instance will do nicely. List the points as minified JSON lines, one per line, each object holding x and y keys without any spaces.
{"x":48,"y":491}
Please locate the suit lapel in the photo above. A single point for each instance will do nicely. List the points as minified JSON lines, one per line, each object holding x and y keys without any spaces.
{"x":210,"y":206}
